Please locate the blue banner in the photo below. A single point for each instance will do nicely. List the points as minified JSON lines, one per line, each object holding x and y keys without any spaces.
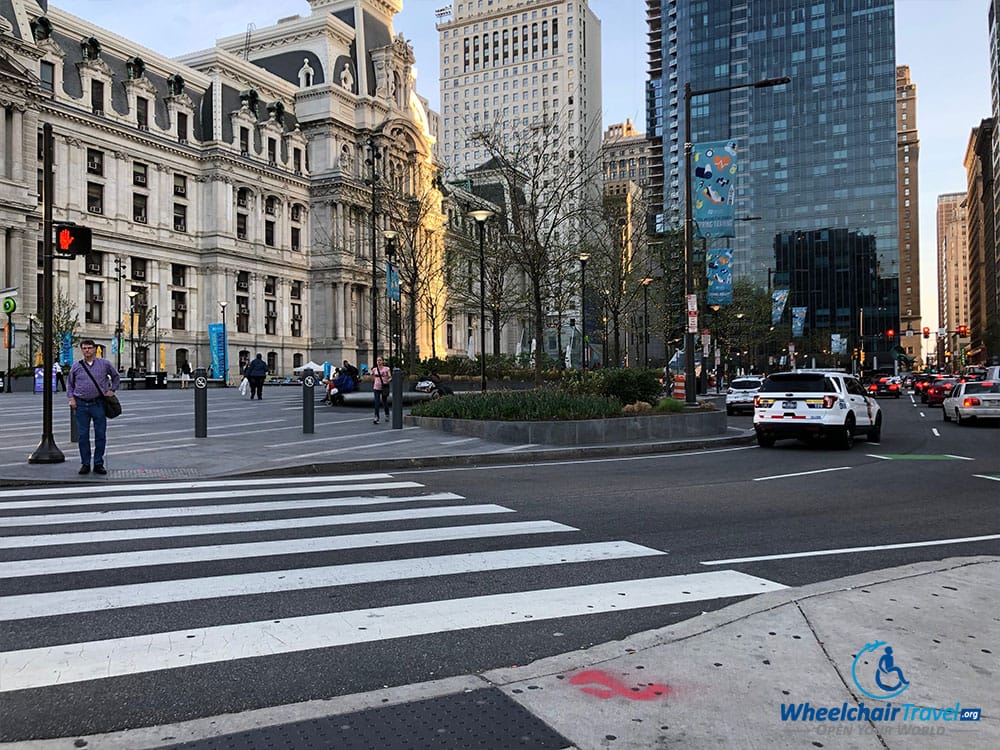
{"x":720,"y":275}
{"x":66,"y":349}
{"x":778,"y":299}
{"x":798,"y":320}
{"x":391,"y":282}
{"x":217,"y":344}
{"x":713,"y":188}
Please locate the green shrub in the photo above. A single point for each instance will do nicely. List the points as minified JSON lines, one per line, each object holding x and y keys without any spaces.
{"x":669,"y":404}
{"x":627,"y":385}
{"x":520,"y":406}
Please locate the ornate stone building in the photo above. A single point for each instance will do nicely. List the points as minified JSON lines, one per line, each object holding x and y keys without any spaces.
{"x":248,"y":184}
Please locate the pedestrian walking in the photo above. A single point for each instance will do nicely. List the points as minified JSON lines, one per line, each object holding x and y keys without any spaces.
{"x":90,"y":380}
{"x":185,"y":374}
{"x":381,"y":377}
{"x":58,"y":373}
{"x":256,"y":372}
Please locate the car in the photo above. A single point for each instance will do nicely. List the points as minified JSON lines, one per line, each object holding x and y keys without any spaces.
{"x":739,"y":395}
{"x":806,"y":404}
{"x":979,"y":399}
{"x":938,"y":391}
{"x":885,"y":386}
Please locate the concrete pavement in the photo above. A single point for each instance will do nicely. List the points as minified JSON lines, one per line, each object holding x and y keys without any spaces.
{"x":778,"y":670}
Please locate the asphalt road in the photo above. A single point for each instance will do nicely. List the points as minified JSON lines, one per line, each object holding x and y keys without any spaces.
{"x":600,"y":550}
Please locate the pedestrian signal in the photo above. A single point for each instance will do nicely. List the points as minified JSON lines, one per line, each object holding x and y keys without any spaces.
{"x":72,"y":239}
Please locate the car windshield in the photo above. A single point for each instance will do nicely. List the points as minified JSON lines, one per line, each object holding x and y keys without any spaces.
{"x":982,"y":387}
{"x":746,"y":385}
{"x":805,"y":382}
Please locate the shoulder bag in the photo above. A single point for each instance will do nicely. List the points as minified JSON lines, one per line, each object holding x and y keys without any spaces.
{"x":112,"y":406}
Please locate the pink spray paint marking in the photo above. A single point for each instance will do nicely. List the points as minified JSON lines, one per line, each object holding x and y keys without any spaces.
{"x":611,"y":687}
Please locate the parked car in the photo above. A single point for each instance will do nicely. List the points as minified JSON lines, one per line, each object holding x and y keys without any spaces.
{"x":973,"y":400}
{"x":739,"y":395}
{"x":813,"y":403}
{"x":939,"y":390}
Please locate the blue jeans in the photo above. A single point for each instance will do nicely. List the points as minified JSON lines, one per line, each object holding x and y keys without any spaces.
{"x":87,"y":411}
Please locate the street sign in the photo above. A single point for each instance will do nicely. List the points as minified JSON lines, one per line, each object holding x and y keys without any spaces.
{"x":692,"y":302}
{"x":692,"y":321}
{"x":791,"y":347}
{"x":73,"y":239}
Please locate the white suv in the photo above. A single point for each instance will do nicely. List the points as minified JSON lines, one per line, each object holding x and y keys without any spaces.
{"x":812,"y":403}
{"x":739,"y":395}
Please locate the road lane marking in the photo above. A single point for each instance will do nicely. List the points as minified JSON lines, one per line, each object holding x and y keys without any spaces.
{"x":995,"y":478}
{"x":99,"y":599}
{"x":137,"y":514}
{"x":190,"y":485}
{"x":116,"y":657}
{"x":801,"y":473}
{"x":851,"y":550}
{"x":240,"y":551}
{"x":242,"y":527}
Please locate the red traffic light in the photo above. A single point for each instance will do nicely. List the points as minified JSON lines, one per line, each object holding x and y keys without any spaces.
{"x":890,"y":333}
{"x":963,"y":330}
{"x":72,"y":239}
{"x":927,"y":332}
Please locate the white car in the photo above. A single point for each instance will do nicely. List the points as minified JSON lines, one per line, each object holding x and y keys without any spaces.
{"x":739,"y":395}
{"x":974,"y":400}
{"x":806,"y":404}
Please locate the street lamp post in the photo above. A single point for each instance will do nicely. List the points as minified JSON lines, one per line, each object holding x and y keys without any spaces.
{"x":374,"y":156}
{"x":481,"y":216}
{"x":584,"y":257}
{"x":739,"y":342}
{"x":645,"y":320}
{"x":119,"y":275}
{"x":225,"y":345}
{"x":689,"y":277}
{"x":131,"y":337}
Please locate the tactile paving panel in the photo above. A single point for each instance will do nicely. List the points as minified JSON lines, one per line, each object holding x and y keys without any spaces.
{"x":485,"y":719}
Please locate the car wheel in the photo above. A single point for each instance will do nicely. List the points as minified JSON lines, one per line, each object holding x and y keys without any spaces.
{"x":958,"y":417}
{"x":845,"y":440}
{"x":729,"y":411}
{"x":875,"y":434}
{"x":765,"y":441}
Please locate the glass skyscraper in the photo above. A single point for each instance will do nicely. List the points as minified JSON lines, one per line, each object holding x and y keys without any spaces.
{"x":817,"y":155}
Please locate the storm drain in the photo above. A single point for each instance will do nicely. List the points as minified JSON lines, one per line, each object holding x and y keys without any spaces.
{"x":154,"y":473}
{"x":485,"y":719}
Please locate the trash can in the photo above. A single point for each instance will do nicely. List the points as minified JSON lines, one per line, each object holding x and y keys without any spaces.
{"x":150,"y":382}
{"x":161,"y":379}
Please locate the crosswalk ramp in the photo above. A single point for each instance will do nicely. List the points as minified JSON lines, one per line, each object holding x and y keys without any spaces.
{"x":131,"y":587}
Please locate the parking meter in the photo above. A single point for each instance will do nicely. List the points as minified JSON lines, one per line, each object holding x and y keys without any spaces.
{"x":308,"y":402}
{"x":200,"y":403}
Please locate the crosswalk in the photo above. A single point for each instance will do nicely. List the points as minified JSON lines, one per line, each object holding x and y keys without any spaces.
{"x":145,"y":582}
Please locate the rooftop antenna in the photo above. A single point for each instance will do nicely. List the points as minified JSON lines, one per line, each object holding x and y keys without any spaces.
{"x":246,"y":42}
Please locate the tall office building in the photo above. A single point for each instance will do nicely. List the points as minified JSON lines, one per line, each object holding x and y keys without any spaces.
{"x":908,"y":198}
{"x":510,"y":66}
{"x":982,"y":320}
{"x":953,"y":269}
{"x":816,"y":154}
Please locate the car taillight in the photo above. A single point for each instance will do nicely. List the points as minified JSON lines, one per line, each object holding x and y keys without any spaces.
{"x":894,"y":387}
{"x":873,"y":388}
{"x":829,"y":401}
{"x":971,"y":401}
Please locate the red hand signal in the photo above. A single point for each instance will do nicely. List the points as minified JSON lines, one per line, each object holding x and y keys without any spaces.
{"x":65,"y":240}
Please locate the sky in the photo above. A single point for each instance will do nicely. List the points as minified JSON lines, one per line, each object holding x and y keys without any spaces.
{"x":945,"y":43}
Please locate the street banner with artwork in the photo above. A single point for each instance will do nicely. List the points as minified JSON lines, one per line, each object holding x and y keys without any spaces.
{"x":778,"y":299}
{"x":217,"y":343}
{"x":798,"y":320}
{"x":720,"y":275}
{"x":713,"y":188}
{"x":838,"y":344}
{"x":391,"y":282}
{"x":66,"y":349}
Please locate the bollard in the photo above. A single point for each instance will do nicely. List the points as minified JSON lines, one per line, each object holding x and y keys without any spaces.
{"x":396,"y":393}
{"x":200,"y":403}
{"x":74,"y":431}
{"x":308,"y":402}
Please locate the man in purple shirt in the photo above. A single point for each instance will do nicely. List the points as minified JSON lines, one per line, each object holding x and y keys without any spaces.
{"x":86,"y":397}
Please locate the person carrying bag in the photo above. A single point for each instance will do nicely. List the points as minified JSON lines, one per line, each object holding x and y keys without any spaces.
{"x":93,"y":403}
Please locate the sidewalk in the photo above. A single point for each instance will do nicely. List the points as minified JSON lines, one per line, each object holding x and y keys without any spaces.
{"x":717,"y":681}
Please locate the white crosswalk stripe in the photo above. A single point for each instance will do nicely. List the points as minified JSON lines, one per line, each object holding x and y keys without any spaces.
{"x":125,"y":556}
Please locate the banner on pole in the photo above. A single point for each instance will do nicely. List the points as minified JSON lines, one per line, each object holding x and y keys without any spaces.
{"x":391,"y":282}
{"x":217,"y":343}
{"x":719,"y":262}
{"x":713,"y":188}
{"x":798,"y":320}
{"x":778,"y":299}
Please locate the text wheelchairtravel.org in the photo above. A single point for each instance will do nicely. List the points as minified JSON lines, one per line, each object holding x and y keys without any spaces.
{"x":888,"y":712}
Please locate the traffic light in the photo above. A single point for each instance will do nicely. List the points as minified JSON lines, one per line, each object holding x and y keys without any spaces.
{"x":73,"y":239}
{"x":890,"y":333}
{"x":927,"y":332}
{"x":963,"y":331}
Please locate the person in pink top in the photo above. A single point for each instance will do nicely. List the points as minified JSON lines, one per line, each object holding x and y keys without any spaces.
{"x":381,"y":377}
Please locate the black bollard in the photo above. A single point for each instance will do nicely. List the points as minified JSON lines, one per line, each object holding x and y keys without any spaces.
{"x":308,"y":402}
{"x":397,"y":399}
{"x":200,"y":403}
{"x":74,"y":431}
